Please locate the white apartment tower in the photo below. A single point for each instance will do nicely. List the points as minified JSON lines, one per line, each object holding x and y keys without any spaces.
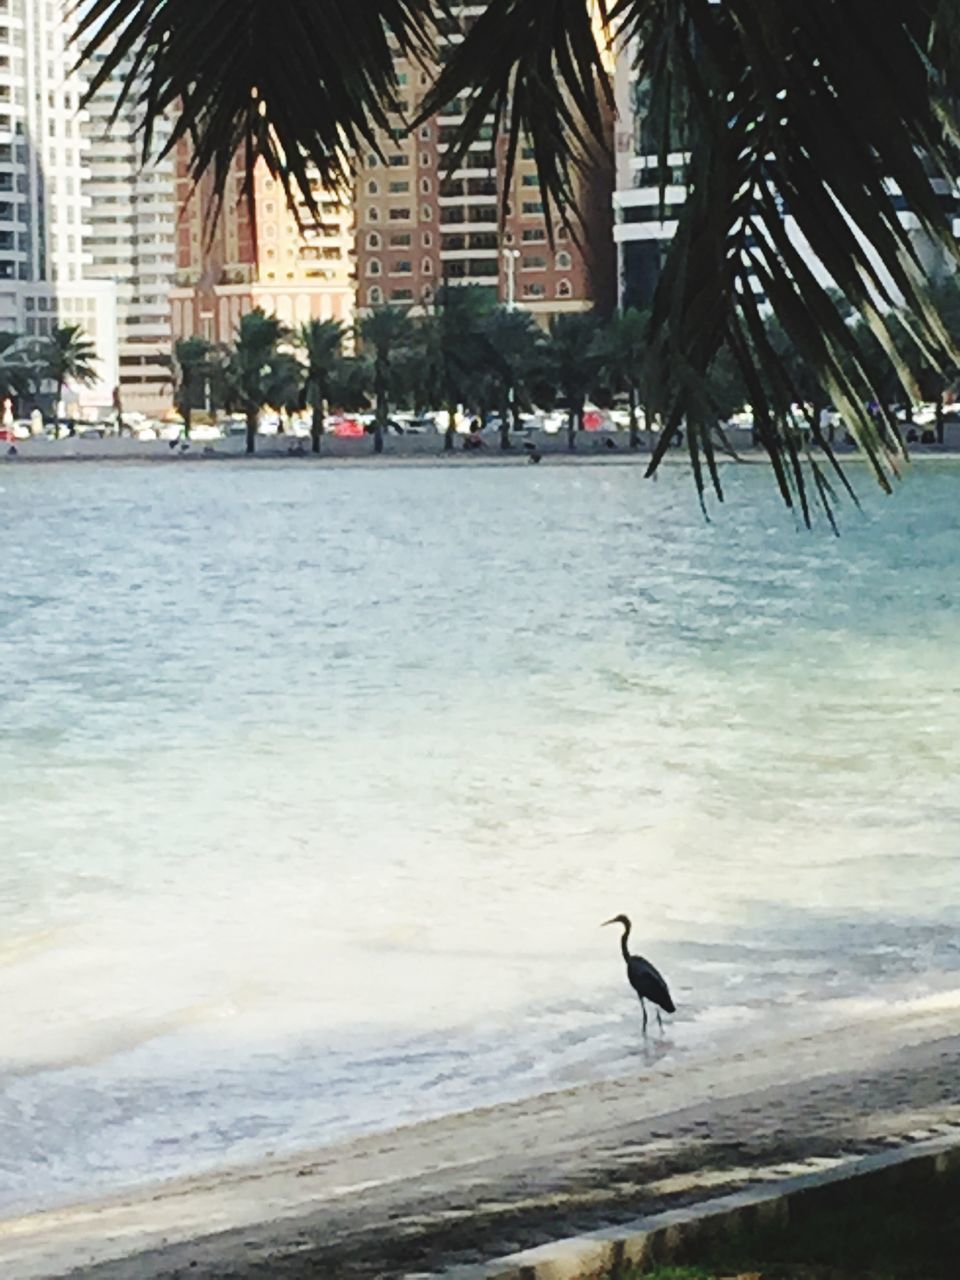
{"x":43,"y":276}
{"x":130,"y":238}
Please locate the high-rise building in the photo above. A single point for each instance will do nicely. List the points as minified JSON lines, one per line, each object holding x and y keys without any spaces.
{"x":43,"y":204}
{"x":419,"y":227}
{"x":298,"y":266}
{"x":130,"y":238}
{"x":642,"y":228}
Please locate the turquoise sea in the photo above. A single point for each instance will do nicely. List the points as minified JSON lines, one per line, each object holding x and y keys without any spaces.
{"x":316,"y":784}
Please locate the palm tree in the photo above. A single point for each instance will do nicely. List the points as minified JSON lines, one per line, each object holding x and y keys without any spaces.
{"x":510,"y":342}
{"x":351,"y":380}
{"x":838,"y":145}
{"x":320,"y":341}
{"x":622,"y":348}
{"x":451,"y":339}
{"x":67,"y":355}
{"x":19,"y":365}
{"x":386,"y":330}
{"x":251,"y":367}
{"x":189,"y":365}
{"x":572,"y":357}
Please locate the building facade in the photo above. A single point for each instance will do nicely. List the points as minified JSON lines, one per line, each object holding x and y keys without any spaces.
{"x":44,"y":276}
{"x":130,"y":238}
{"x":296,"y":266}
{"x":642,"y":227}
{"x":420,"y":227}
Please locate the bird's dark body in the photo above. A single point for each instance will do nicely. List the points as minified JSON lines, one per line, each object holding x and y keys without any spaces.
{"x":649,"y":984}
{"x":646,"y":981}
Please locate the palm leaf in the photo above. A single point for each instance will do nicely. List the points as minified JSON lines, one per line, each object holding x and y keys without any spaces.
{"x":299,"y":86}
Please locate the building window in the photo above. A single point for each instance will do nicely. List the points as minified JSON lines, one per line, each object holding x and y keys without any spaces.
{"x":373,"y":188}
{"x":424,"y":159}
{"x":399,"y":215}
{"x":375,"y":296}
{"x":534,"y":262}
{"x":529,"y":180}
{"x":530,"y":208}
{"x":533,"y":234}
{"x":372,"y":161}
{"x":400,"y":187}
{"x":535,"y":290}
{"x":426,"y":213}
{"x":426,"y":239}
{"x":401,"y":295}
{"x":426,"y":267}
{"x":425,"y":132}
{"x":373,"y":267}
{"x":402,"y":267}
{"x":425,"y":186}
{"x":399,"y":160}
{"x":400,"y":239}
{"x":564,"y":290}
{"x":373,"y":239}
{"x":564,"y":261}
{"x":373,"y":215}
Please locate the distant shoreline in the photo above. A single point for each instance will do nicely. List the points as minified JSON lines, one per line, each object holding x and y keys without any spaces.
{"x":396,"y":453}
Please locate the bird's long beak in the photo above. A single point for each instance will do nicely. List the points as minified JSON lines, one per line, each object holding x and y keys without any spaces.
{"x":606,"y":922}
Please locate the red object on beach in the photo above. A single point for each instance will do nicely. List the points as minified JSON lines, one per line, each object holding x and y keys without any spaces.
{"x":6,"y":435}
{"x":593,"y":420}
{"x":348,"y":427}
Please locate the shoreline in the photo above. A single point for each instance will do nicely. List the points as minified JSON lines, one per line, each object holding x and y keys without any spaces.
{"x":397,"y":453}
{"x":482,"y":1183}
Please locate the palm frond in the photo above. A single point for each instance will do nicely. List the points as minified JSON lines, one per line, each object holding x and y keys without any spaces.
{"x":542,"y":80}
{"x":301,"y":87}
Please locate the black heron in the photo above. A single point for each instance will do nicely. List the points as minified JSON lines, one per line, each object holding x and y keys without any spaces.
{"x":646,"y":981}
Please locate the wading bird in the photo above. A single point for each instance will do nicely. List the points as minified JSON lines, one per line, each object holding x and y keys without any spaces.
{"x":643,"y":977}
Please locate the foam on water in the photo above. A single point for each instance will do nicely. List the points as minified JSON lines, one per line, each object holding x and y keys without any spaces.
{"x":317,"y":786}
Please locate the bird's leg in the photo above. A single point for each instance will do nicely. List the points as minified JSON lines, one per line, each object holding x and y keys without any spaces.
{"x":659,"y":1020}
{"x":644,"y":1008}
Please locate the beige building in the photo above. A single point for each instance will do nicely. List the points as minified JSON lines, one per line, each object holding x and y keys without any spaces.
{"x":419,"y":228}
{"x":295,"y":272}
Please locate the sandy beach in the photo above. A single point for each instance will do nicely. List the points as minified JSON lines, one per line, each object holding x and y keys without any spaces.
{"x":480,"y":1184}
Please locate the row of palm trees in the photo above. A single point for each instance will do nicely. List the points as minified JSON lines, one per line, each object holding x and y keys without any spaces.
{"x":27,"y":364}
{"x":468,"y":352}
{"x":465,"y":351}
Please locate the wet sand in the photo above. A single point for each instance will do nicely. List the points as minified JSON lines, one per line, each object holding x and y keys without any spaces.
{"x":477,"y":1185}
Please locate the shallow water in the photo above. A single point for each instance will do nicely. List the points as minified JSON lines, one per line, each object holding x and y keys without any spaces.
{"x":316,"y":784}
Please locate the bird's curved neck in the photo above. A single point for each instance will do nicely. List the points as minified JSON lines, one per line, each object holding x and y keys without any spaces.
{"x":623,"y":942}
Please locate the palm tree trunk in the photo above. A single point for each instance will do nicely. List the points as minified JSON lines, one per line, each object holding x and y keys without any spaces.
{"x":938,"y":419}
{"x":317,"y":423}
{"x":187,"y":414}
{"x":253,"y":413}
{"x":515,"y":409}
{"x":505,"y":424}
{"x":634,"y":424}
{"x":383,"y":407}
{"x":571,"y":430}
{"x":56,"y":407}
{"x":451,"y":428}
